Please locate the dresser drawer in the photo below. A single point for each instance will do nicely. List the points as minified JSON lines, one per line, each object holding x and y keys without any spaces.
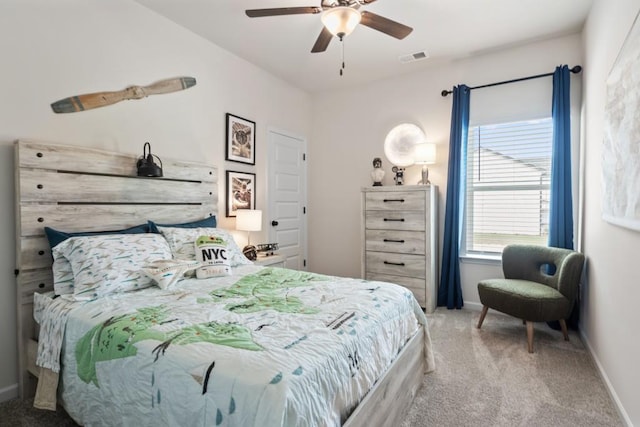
{"x":396,"y":264}
{"x":406,"y":242}
{"x":395,"y":200}
{"x":398,"y":220}
{"x":417,"y":286}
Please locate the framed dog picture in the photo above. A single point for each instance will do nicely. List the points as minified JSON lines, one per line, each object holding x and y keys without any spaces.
{"x":241,"y":140}
{"x":241,"y":192}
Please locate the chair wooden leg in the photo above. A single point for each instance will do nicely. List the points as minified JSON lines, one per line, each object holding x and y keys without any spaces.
{"x":530,"y":336}
{"x":563,"y":326}
{"x":484,"y":313}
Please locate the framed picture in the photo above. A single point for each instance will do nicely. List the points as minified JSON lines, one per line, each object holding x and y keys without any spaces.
{"x":241,"y":191}
{"x":620,"y":154}
{"x":241,"y":140}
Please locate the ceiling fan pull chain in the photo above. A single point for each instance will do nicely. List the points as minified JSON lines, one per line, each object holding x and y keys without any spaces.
{"x":342,"y":44}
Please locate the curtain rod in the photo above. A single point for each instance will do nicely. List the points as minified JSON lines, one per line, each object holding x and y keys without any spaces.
{"x":574,"y":70}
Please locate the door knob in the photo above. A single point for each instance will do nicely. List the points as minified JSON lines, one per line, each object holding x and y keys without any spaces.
{"x":274,"y":223}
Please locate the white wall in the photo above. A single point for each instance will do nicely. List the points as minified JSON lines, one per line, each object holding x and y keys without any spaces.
{"x":52,"y":50}
{"x":349,"y":130}
{"x":610,"y":296}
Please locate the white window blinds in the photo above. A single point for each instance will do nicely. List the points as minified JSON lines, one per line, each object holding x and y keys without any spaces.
{"x":508,"y":176}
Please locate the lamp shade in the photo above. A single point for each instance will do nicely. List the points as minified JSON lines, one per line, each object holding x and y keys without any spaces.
{"x":424,"y":154}
{"x":146,"y":164}
{"x":248,"y":220}
{"x":341,"y":20}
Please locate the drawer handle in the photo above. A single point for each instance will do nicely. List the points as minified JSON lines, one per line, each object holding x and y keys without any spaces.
{"x":394,"y":240}
{"x":401,"y":264}
{"x":393,"y":200}
{"x":394,"y":219}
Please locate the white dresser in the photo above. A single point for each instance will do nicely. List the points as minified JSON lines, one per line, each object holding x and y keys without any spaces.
{"x":399,"y":238}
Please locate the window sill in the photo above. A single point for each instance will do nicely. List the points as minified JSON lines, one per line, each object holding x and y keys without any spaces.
{"x":481,"y":259}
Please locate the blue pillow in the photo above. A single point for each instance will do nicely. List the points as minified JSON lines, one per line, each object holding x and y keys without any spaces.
{"x":56,"y":237}
{"x":209,"y":222}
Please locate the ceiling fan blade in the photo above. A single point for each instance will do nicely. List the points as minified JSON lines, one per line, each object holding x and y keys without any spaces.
{"x":385,"y":25}
{"x":258,"y":13}
{"x":322,"y":42}
{"x":102,"y":99}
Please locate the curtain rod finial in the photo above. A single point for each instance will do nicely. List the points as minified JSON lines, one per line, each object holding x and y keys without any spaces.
{"x":576,"y":69}
{"x":445,"y":92}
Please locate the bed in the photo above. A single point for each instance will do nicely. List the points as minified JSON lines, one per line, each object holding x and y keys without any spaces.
{"x":81,"y":189}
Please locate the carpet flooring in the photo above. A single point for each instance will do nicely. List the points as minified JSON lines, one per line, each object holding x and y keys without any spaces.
{"x":486,"y":377}
{"x":483,"y":378}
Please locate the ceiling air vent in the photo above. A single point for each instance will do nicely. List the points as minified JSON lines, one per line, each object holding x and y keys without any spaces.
{"x":412,"y":57}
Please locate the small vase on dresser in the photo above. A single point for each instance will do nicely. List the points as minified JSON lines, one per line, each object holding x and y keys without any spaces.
{"x":399,"y":239}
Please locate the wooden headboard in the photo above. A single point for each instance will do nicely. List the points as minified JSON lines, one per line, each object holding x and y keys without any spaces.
{"x":82,"y":189}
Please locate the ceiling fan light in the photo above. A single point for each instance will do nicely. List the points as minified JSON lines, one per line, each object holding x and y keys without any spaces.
{"x":341,"y":20}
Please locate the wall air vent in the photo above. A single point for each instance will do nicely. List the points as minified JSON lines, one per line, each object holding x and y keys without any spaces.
{"x":412,"y":57}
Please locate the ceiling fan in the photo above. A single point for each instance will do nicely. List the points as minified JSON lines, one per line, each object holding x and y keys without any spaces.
{"x":340,"y":18}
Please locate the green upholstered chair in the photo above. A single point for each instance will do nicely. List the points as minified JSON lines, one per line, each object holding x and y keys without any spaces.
{"x":528,"y":292}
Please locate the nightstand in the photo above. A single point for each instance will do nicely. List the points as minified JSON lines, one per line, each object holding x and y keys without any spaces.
{"x":271,"y":261}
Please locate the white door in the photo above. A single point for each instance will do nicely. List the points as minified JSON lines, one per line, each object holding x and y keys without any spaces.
{"x":287,"y":195}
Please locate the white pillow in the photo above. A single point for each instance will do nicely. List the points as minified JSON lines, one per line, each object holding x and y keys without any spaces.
{"x":108,"y":264}
{"x":62,"y":276}
{"x":181,"y":241}
{"x":213,"y":254}
{"x":167,"y":272}
{"x":62,"y":272}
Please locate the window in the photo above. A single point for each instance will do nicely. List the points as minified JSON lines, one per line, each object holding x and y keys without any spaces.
{"x":508,"y":177}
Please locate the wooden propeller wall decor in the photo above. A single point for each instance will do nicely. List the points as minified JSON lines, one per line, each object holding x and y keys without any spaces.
{"x":101,"y":99}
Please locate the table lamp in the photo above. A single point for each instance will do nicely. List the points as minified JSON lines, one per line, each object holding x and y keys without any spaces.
{"x":424,"y":154}
{"x":249,"y":220}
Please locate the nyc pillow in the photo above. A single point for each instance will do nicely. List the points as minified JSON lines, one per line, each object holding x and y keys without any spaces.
{"x":209,"y":222}
{"x":181,"y":241}
{"x":212,"y":253}
{"x":167,"y":272}
{"x":62,"y":273}
{"x":104,"y":265}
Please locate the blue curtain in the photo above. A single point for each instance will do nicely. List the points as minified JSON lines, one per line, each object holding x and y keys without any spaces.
{"x":450,"y":289}
{"x":561,"y":205}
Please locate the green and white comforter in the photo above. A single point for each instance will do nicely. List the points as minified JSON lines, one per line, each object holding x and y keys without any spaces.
{"x":264,"y":347}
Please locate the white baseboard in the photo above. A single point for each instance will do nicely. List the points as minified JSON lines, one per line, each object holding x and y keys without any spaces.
{"x":605,"y":378}
{"x":476,"y":306}
{"x":8,"y":393}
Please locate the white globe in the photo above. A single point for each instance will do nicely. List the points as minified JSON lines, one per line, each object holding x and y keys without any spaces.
{"x":400,"y":142}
